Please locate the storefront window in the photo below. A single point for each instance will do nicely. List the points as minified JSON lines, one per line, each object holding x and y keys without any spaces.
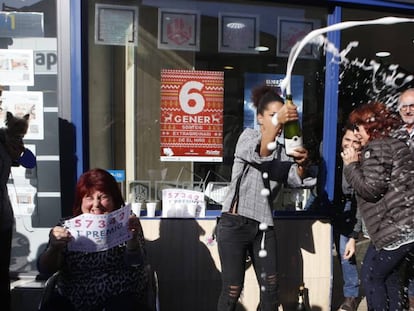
{"x":29,"y":76}
{"x":247,"y":42}
{"x":379,"y":64}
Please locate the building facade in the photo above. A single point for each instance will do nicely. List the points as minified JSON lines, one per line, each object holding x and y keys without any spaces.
{"x":121,"y":85}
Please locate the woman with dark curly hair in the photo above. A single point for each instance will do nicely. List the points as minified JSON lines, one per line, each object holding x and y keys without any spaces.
{"x":382,"y":175}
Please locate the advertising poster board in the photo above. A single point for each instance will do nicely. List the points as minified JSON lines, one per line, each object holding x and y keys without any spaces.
{"x":16,"y":67}
{"x":21,"y":103}
{"x":191,"y":121}
{"x":251,"y":80}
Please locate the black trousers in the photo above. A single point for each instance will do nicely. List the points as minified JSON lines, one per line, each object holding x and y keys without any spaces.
{"x":5,"y":253}
{"x":238,"y":238}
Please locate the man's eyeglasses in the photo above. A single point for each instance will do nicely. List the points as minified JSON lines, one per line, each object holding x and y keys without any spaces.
{"x":406,"y":106}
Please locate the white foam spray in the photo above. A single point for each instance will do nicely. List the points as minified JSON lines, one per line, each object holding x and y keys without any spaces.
{"x":316,"y":38}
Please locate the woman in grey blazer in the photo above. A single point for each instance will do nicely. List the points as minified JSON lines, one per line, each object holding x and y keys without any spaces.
{"x":246,"y":221}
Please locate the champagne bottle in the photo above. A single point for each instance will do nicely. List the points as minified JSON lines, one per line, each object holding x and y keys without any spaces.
{"x":292,"y":132}
{"x":301,"y":299}
{"x":298,"y":200}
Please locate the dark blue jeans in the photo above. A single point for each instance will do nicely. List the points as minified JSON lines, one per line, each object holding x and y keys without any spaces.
{"x":381,"y":279}
{"x":239,"y":237}
{"x":349,"y":270}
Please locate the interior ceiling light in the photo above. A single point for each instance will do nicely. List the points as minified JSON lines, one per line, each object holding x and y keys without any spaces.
{"x":235,"y":25}
{"x":261,"y":48}
{"x":382,"y":54}
{"x":228,"y":67}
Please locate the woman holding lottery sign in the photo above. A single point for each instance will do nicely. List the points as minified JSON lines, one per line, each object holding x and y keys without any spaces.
{"x":112,"y":279}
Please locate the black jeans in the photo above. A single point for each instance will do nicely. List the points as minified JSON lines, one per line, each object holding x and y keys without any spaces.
{"x":381,"y":279}
{"x":5,"y":252}
{"x":239,"y":237}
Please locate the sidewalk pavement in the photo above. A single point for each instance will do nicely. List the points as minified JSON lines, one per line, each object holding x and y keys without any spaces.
{"x":22,"y":298}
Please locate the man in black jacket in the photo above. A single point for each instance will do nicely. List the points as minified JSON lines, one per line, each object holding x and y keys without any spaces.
{"x":406,"y":133}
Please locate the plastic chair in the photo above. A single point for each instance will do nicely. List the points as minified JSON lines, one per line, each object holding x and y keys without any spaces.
{"x":152,"y":299}
{"x":50,"y":285}
{"x":153,"y":290}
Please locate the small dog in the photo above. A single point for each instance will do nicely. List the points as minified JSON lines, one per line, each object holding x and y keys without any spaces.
{"x":12,"y":135}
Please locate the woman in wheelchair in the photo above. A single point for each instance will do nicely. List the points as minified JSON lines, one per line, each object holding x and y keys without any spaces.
{"x":113,"y":279}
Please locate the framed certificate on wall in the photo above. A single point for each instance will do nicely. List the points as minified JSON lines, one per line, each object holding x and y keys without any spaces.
{"x":291,"y":31}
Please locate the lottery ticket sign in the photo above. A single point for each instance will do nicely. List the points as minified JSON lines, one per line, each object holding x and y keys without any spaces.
{"x":94,"y":233}
{"x":183,"y":203}
{"x":191,"y":125}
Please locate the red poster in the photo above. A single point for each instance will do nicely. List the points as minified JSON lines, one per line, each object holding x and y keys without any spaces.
{"x":191,"y":115}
